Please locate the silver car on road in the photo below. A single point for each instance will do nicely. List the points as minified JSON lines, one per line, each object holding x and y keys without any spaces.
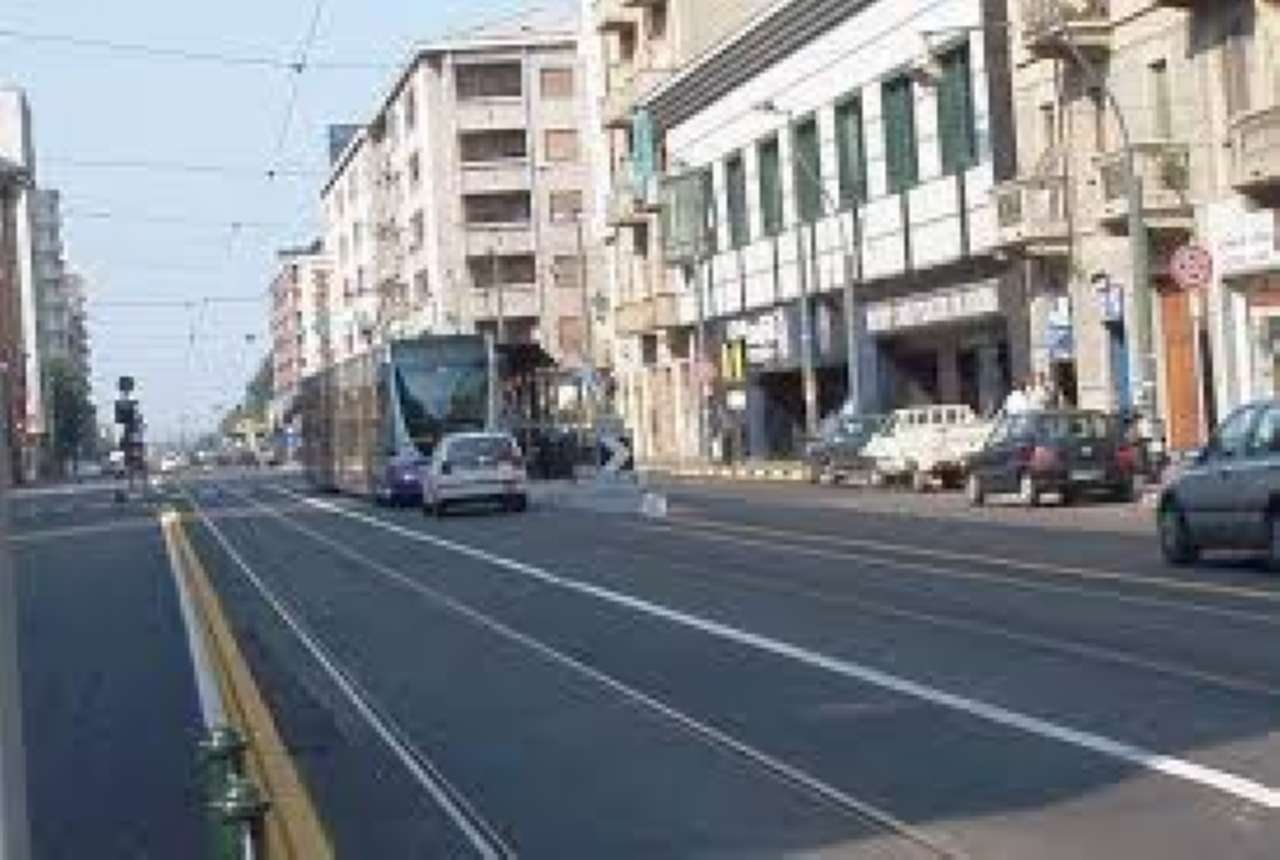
{"x":1227,"y":496}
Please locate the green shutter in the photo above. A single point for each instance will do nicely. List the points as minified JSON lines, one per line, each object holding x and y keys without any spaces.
{"x":807,"y":171}
{"x":901,"y":164}
{"x":735,"y":181}
{"x":956,"y":135}
{"x":770,"y":187}
{"x":850,"y":152}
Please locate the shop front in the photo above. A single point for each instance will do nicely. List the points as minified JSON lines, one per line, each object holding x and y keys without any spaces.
{"x":1245,"y":303}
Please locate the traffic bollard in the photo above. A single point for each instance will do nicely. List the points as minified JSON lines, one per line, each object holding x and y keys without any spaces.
{"x":240,"y":812}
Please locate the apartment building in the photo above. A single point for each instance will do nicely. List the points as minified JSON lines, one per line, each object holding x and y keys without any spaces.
{"x":1191,"y":86}
{"x":53,"y":310}
{"x":17,"y":148}
{"x":822,"y":145}
{"x":12,"y":367}
{"x":300,"y":324}
{"x":462,"y":205}
{"x":638,"y":46}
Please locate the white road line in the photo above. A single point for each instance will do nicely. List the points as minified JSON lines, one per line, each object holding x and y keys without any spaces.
{"x":776,"y":767}
{"x":486,"y":841}
{"x":1223,"y":781}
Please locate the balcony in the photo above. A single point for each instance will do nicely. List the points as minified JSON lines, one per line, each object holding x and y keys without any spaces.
{"x":500,"y":239}
{"x":631,"y":202}
{"x":635,"y":316}
{"x":614,"y":17}
{"x":666,"y":310}
{"x":1165,"y":171}
{"x":1051,"y":27}
{"x":1031,"y":215}
{"x":515,"y":300}
{"x":628,"y":83}
{"x":1255,"y":163}
{"x":503,"y":174}
{"x":490,"y":112}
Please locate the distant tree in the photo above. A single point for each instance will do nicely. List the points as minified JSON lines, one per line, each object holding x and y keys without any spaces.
{"x":73,"y":419}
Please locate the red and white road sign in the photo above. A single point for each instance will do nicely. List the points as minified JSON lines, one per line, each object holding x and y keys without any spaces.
{"x":1191,"y":267}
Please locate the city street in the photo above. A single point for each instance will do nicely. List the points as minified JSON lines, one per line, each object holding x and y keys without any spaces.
{"x":769,"y":671}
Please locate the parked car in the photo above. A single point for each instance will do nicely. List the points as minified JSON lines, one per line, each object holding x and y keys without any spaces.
{"x":475,"y":467}
{"x":1067,"y":452}
{"x":837,"y":452}
{"x":1227,"y":495}
{"x":926,"y":445}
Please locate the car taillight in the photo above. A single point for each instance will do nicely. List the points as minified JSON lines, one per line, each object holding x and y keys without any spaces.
{"x":1043,"y":458}
{"x":1127,"y":458}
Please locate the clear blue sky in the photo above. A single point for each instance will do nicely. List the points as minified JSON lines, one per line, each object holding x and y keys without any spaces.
{"x":91,"y":104}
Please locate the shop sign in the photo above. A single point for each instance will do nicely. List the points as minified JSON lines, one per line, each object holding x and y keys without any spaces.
{"x":760,"y":333}
{"x":1246,"y":242}
{"x":1191,"y":267}
{"x":933,"y":308}
{"x":1110,"y":296}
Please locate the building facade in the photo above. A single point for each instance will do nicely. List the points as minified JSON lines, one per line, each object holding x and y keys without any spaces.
{"x":300,"y":324}
{"x":1191,"y":88}
{"x":17,"y":148}
{"x":818,"y":146}
{"x":462,"y":205}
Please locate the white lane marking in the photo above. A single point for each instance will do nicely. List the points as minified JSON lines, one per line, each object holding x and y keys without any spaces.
{"x":993,"y":560}
{"x":1223,"y":781}
{"x":207,"y":692}
{"x":486,"y":841}
{"x":776,"y":767}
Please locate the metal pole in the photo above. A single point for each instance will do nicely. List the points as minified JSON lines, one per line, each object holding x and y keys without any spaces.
{"x":497,"y":288}
{"x":14,"y":833}
{"x":1138,"y":317}
{"x":588,"y":330}
{"x":808,"y":381}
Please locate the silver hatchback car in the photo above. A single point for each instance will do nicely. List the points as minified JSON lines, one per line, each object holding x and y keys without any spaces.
{"x":1228,"y":494}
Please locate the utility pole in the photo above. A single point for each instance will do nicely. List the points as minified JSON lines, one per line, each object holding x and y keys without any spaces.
{"x":14,"y":828}
{"x":497,"y":289}
{"x":588,"y":326}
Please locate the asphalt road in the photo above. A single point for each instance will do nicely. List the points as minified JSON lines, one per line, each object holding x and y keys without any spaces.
{"x":769,"y":671}
{"x":109,"y":703}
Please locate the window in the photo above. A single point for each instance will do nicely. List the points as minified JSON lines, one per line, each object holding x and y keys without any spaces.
{"x":415,"y":170}
{"x":1266,"y":436}
{"x":1161,"y":99}
{"x":1232,"y":437}
{"x":807,"y":169}
{"x":489,"y":80}
{"x":851,"y":152}
{"x":499,"y":207}
{"x":417,"y":230}
{"x":557,"y":83}
{"x":956,"y":134}
{"x":502,"y":269}
{"x":1048,"y":126}
{"x":770,"y":186}
{"x":735,"y":198}
{"x":567,"y":271}
{"x":657,"y":21}
{"x":565,"y":205}
{"x":707,"y":189}
{"x":901,"y":159}
{"x":357,"y":233}
{"x":562,"y":144}
{"x":1099,"y":101}
{"x":410,"y":108}
{"x":1235,"y":68}
{"x":493,"y":145}
{"x":571,"y":332}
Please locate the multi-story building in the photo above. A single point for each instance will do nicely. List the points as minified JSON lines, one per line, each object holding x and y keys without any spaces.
{"x":638,"y":46}
{"x":821,"y":145}
{"x":53,"y":309}
{"x":12,"y":366}
{"x":16,"y":147}
{"x":460,"y":206}
{"x":300,"y":324}
{"x":1192,"y":88}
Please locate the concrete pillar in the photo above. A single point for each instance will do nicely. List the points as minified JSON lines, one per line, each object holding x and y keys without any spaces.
{"x":948,"y":372}
{"x":990,"y":384}
{"x":757,"y":433}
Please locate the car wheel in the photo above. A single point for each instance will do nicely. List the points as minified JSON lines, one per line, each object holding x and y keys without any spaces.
{"x":1067,"y":497}
{"x":1126,"y":490}
{"x":1028,"y":492}
{"x":974,"y":491}
{"x":1272,"y":558}
{"x":1175,"y":538}
{"x":518,"y":504}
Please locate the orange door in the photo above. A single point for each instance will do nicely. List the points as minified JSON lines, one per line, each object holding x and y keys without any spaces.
{"x":1180,"y":370}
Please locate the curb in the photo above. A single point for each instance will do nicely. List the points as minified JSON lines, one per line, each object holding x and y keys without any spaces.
{"x":746,"y":473}
{"x":292,"y":828}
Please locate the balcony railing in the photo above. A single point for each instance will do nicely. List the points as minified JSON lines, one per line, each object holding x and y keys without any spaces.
{"x":1032,"y":214}
{"x":515,"y":300}
{"x":1051,"y":27}
{"x":1164,"y":169}
{"x":1255,"y":144}
{"x":635,"y":316}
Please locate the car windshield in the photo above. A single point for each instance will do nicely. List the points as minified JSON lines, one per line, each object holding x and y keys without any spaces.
{"x":473,"y":450}
{"x":1075,"y":426}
